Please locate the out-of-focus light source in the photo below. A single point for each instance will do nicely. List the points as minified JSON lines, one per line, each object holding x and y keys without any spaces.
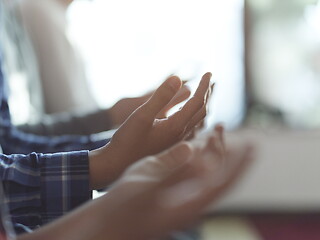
{"x":132,"y":50}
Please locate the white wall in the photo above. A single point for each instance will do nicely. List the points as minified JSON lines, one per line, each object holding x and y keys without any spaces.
{"x":285,"y":175}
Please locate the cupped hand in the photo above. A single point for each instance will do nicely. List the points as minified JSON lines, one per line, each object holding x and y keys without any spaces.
{"x":122,"y":109}
{"x":144,"y":134}
{"x":170,"y":190}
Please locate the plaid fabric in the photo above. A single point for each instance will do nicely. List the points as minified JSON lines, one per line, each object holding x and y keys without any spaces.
{"x":6,"y":231}
{"x":3,"y":230}
{"x":42,"y":187}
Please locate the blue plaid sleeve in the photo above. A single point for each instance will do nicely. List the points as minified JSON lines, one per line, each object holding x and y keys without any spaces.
{"x":6,"y":228}
{"x":42,"y":187}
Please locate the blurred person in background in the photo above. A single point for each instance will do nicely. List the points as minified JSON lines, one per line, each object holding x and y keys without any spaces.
{"x":61,"y":101}
{"x":61,"y":68}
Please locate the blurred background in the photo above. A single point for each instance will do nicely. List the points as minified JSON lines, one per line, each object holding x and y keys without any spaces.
{"x":131,"y":46}
{"x":282,"y":39}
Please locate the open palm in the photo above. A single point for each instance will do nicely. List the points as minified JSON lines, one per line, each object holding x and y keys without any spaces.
{"x":143,"y":134}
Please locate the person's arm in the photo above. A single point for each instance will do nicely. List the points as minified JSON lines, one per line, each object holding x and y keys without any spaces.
{"x":143,"y":206}
{"x":70,"y":124}
{"x":42,"y":187}
{"x":99,"y":121}
{"x":62,"y":75}
{"x":13,"y":140}
{"x":142,"y":134}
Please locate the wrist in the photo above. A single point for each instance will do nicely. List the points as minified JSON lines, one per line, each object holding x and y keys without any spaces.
{"x":113,"y":115}
{"x":97,"y":166}
{"x":104,"y":166}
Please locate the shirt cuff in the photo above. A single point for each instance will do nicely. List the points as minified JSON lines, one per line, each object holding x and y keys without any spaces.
{"x":64,"y":183}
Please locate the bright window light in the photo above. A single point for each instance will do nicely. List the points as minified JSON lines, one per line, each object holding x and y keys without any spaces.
{"x":130,"y":47}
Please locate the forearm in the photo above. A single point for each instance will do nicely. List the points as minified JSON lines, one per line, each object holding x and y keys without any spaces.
{"x":89,"y":222}
{"x":14,"y":141}
{"x":71,"y":124}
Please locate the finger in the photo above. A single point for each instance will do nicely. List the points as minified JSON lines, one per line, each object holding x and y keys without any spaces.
{"x":194,"y":104}
{"x":200,"y":115}
{"x":197,"y":119}
{"x":146,"y":97}
{"x":212,"y":86}
{"x":209,"y":94}
{"x":182,"y":95}
{"x":211,"y":91}
{"x":190,"y":169}
{"x":161,"y":97}
{"x":217,"y":143}
{"x":203,"y":89}
{"x":219,"y":130}
{"x":177,"y":155}
{"x":207,"y":192}
{"x":184,"y":202}
{"x":170,"y":200}
{"x":215,"y":157}
{"x":238,"y":162}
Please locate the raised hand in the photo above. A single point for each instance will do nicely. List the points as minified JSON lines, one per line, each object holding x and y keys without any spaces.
{"x":122,"y":109}
{"x":143,"y":134}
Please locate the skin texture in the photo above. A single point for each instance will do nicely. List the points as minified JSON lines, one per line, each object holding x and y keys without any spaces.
{"x":156,"y":195}
{"x":144,"y":133}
